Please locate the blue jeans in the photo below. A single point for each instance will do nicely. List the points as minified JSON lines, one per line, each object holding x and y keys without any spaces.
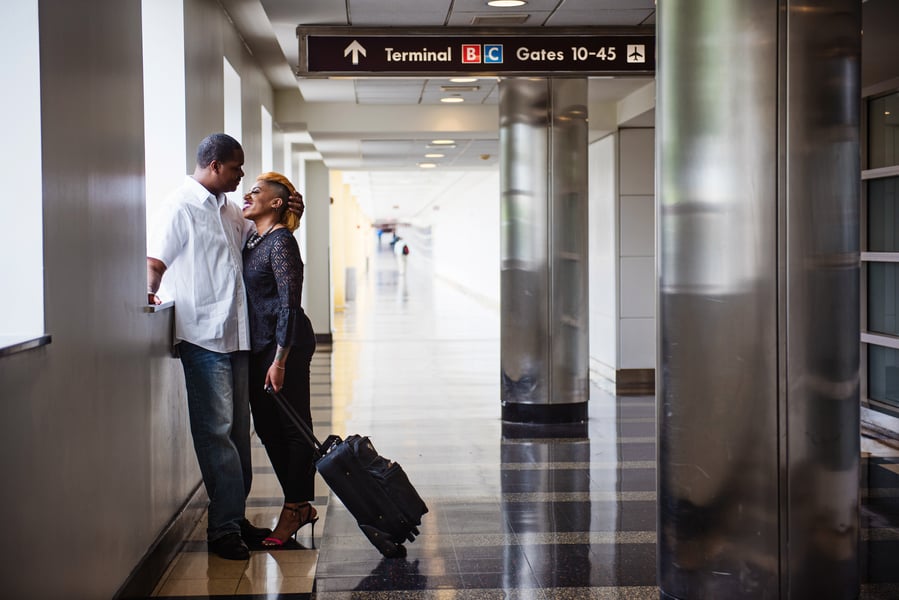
{"x":219,"y":408}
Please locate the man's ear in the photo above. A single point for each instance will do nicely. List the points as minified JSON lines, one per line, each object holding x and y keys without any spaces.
{"x":215,"y":166}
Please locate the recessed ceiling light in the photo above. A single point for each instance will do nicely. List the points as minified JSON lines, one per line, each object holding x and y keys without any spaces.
{"x":506,"y":3}
{"x":434,"y":155}
{"x":459,"y":88}
{"x":452,"y":100}
{"x":427,"y":165}
{"x":463,"y":79}
{"x":443,"y":142}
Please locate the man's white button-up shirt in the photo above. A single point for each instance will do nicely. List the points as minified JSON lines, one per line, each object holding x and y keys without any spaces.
{"x":199,"y":238}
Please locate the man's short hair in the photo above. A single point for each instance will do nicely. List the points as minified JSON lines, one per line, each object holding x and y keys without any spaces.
{"x":218,"y":146}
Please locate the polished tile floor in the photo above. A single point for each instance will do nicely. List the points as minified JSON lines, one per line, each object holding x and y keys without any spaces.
{"x":521,"y":513}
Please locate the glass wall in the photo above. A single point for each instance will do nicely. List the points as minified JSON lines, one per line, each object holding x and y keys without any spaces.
{"x":880,"y":257}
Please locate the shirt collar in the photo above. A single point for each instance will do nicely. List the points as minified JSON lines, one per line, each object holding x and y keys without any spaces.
{"x":201,"y":195}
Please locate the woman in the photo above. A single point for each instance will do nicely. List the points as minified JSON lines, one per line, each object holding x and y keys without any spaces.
{"x":282,"y":343}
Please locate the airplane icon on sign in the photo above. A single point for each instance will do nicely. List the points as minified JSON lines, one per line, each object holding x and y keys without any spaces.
{"x":636,"y":53}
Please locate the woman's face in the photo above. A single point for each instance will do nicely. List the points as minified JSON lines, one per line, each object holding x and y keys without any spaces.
{"x":260,"y":201}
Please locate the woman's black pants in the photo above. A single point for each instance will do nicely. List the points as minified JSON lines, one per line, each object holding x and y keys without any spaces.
{"x":288,"y":451}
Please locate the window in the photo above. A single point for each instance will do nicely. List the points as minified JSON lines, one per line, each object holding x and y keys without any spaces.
{"x":233,"y":120}
{"x":165,"y":114}
{"x":22,"y":262}
{"x":880,"y":256}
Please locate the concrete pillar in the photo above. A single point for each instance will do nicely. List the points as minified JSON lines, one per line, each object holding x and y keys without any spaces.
{"x":543,"y":173}
{"x":317,"y":284}
{"x":758,"y":190}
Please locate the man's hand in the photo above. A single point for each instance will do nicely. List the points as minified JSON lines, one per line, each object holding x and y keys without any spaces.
{"x":155,"y":269}
{"x":296,"y":205}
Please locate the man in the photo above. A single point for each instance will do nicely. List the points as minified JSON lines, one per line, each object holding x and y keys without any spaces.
{"x":197,"y":242}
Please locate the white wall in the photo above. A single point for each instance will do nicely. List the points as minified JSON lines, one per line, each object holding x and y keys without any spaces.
{"x":465,"y":234}
{"x":603,"y":255}
{"x":636,"y":248}
{"x":622,"y":252}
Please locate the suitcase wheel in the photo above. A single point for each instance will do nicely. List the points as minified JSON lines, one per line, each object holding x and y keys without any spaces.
{"x":397,"y":551}
{"x":380,"y":540}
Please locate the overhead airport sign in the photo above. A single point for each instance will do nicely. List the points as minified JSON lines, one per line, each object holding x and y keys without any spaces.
{"x":391,"y":51}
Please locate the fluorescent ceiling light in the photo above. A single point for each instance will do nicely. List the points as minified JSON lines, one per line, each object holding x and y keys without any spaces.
{"x":506,"y":3}
{"x":452,"y":99}
{"x":434,"y":155}
{"x":443,"y":142}
{"x":459,"y":88}
{"x":427,"y":165}
{"x":463,"y":79}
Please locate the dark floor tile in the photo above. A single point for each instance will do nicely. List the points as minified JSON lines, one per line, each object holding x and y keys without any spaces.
{"x":583,"y":565}
{"x":637,"y":452}
{"x":518,"y":580}
{"x":881,"y":562}
{"x":374,"y":582}
{"x":277,"y":596}
{"x":545,"y":480}
{"x":636,"y":429}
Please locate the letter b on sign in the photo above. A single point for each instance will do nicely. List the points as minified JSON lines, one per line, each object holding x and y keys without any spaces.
{"x":471,"y":53}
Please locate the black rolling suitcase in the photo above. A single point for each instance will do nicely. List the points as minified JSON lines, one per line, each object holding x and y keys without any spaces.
{"x":374,"y":489}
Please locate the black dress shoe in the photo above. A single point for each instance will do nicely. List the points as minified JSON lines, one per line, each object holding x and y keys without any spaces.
{"x":252,"y":534}
{"x":230,"y":546}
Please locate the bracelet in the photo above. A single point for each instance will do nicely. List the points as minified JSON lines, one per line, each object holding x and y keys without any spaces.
{"x":276,"y":365}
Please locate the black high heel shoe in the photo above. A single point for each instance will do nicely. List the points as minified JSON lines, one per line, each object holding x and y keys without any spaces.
{"x":304,"y":513}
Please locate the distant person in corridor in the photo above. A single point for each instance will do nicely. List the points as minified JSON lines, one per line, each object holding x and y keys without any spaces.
{"x":401,"y":251}
{"x":282,"y":343}
{"x":196,"y":244}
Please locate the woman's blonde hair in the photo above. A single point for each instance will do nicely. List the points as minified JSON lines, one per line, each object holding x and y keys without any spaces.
{"x":290,"y":219}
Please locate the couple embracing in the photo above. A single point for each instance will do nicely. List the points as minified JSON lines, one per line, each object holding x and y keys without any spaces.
{"x":236,"y":276}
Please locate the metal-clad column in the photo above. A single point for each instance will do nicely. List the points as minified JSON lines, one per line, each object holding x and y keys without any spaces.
{"x":757,"y":148}
{"x":543,"y":172}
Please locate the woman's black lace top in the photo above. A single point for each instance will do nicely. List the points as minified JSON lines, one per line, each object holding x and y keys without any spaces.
{"x":273,"y":275}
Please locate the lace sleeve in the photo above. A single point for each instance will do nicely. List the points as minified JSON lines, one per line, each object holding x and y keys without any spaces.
{"x":287,"y":266}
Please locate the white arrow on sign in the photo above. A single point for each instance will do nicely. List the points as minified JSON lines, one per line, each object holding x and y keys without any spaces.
{"x":357,"y":49}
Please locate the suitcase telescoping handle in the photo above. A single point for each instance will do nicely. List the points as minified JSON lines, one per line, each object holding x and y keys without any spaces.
{"x":294,"y":417}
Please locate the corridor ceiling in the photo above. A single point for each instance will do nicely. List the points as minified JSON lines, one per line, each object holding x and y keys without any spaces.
{"x":376,"y":130}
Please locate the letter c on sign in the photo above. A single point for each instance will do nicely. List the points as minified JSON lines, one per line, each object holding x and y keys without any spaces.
{"x":494,"y":53}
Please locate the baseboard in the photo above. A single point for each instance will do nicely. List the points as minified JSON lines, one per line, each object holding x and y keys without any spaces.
{"x":635,"y":382}
{"x":623,"y":382}
{"x":151,"y":568}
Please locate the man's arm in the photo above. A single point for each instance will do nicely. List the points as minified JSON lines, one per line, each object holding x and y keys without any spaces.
{"x":155,"y":270}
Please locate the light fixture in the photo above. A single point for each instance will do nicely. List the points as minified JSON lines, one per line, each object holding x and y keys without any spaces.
{"x":427,"y":165}
{"x":443,"y":142}
{"x":505,"y":3}
{"x":452,"y":99}
{"x":459,"y":88}
{"x":463,"y":79}
{"x":434,"y":155}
